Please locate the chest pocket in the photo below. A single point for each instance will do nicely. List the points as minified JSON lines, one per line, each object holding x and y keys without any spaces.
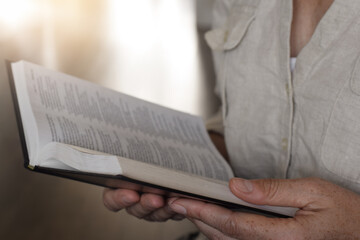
{"x":230,"y":35}
{"x":340,"y":152}
{"x":227,"y":38}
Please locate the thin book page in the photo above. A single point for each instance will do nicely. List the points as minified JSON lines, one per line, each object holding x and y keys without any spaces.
{"x":25,"y":108}
{"x":72,"y":111}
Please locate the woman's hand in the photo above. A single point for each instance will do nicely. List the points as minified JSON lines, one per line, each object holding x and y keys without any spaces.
{"x":147,"y":206}
{"x":327,"y":211}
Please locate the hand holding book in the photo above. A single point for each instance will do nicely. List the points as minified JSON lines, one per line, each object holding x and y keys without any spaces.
{"x":151,"y":207}
{"x":75,"y":129}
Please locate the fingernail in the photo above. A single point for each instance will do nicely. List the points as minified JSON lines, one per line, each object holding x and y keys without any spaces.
{"x":178,"y":208}
{"x":244,"y":186}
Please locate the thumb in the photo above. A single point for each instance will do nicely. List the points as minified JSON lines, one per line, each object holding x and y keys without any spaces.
{"x":275,"y":192}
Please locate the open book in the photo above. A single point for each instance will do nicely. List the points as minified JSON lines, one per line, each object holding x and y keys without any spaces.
{"x":76,"y":129}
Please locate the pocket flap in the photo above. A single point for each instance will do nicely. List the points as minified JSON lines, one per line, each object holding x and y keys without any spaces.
{"x":216,"y":38}
{"x":230,"y":36}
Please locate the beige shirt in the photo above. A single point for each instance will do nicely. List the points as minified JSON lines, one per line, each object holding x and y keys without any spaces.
{"x":283,"y":125}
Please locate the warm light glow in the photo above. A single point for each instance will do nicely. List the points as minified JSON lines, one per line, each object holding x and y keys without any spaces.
{"x":145,"y":48}
{"x":155,"y":47}
{"x":14,"y":13}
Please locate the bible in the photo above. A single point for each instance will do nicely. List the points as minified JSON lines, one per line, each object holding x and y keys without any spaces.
{"x":75,"y":129}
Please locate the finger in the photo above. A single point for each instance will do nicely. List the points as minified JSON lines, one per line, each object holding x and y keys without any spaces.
{"x":177,"y":217}
{"x":148,"y":204}
{"x":234,"y":224}
{"x":209,"y":231}
{"x":161,"y":214}
{"x":276,"y":192}
{"x":118,"y":199}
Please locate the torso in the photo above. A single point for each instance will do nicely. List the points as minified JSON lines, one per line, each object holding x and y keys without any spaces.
{"x":279,"y":125}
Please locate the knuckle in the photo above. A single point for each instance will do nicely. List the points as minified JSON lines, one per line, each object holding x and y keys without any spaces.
{"x":110,"y":203}
{"x":106,"y":201}
{"x":147,"y":207}
{"x":231,"y":225}
{"x":271,"y":189}
{"x":160,"y":215}
{"x":133,"y":212}
{"x":151,"y":203}
{"x":110,"y":207}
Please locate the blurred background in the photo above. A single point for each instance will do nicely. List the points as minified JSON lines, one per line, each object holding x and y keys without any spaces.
{"x":151,"y":49}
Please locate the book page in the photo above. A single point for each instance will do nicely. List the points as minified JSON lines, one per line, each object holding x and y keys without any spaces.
{"x":76,"y":112}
